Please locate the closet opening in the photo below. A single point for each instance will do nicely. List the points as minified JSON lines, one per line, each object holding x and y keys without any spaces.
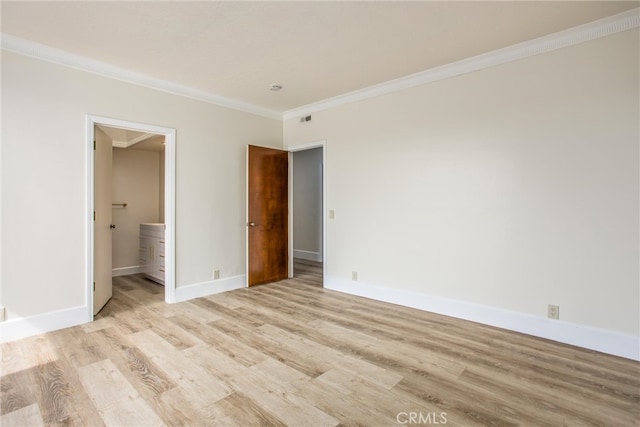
{"x":131,"y":230}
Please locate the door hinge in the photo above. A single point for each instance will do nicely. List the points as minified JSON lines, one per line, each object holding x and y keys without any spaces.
{"x":94,"y":145}
{"x":94,"y":215}
{"x":94,"y":286}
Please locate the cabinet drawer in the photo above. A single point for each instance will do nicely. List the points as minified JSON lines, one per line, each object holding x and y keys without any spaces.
{"x":152,"y":230}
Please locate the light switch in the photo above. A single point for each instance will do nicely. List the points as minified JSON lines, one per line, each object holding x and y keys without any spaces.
{"x":332,"y":214}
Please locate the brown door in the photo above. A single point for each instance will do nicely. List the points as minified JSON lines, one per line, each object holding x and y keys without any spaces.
{"x":268,"y":215}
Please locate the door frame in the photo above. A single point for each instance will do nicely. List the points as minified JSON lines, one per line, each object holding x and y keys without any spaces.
{"x":169,"y":200}
{"x":302,"y":147}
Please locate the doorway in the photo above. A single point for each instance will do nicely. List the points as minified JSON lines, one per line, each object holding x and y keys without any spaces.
{"x":307,"y":203}
{"x":97,"y":237}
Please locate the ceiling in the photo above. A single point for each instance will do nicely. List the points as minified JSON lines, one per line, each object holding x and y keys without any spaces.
{"x":133,"y":140}
{"x":315,"y":49}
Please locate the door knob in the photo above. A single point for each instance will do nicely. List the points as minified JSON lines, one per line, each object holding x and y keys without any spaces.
{"x":112,"y":226}
{"x":251,"y":224}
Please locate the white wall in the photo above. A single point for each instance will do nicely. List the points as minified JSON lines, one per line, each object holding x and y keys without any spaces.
{"x":307,"y":204}
{"x":44,"y":108}
{"x":136,"y":182}
{"x":509,"y":188}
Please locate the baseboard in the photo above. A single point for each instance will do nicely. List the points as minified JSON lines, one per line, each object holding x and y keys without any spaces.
{"x":614,"y":343}
{"x":23,"y":327}
{"x":308,"y":255}
{"x":197,"y":290}
{"x":125,"y":271}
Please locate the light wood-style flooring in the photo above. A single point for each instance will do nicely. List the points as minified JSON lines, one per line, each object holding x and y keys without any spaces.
{"x":292,"y":353}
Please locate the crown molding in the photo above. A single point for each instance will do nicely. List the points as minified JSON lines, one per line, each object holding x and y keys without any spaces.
{"x":46,"y":53}
{"x":601,"y":28}
{"x":134,"y":141}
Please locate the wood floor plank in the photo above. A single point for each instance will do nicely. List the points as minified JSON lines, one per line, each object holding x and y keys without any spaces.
{"x":576,"y":410}
{"x":54,"y":394}
{"x":78,"y":404}
{"x":146,"y":377}
{"x":201,"y":387}
{"x":186,"y":310}
{"x":27,"y":353}
{"x":278,"y":396}
{"x":226,"y":299}
{"x":389,"y":403}
{"x":294,"y":410}
{"x":230,"y":346}
{"x":366,"y":370}
{"x":280,"y":373}
{"x":241,"y":378}
{"x":271,"y":348}
{"x":350,"y":412}
{"x":606,"y":374}
{"x":117,"y":401}
{"x":118,"y":303}
{"x":75,"y":345}
{"x":24,"y":417}
{"x":244,"y":329}
{"x":471,"y":405}
{"x":174,"y":334}
{"x":239,"y":410}
{"x":16,"y":392}
{"x":405,"y":355}
{"x":177,"y":408}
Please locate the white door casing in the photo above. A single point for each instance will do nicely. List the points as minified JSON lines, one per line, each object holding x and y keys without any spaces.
{"x":169,"y":202}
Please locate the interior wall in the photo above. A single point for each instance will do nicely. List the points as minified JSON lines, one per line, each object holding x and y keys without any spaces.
{"x":307,"y":204}
{"x":44,"y":194}
{"x":135,"y":182}
{"x":514,"y":187}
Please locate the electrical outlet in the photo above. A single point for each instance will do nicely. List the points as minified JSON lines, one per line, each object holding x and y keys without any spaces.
{"x":216,"y":274}
{"x":2,"y":309}
{"x":332,"y":214}
{"x":553,"y":311}
{"x":354,"y":276}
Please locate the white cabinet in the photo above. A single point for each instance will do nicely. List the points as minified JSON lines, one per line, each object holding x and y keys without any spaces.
{"x":152,"y":251}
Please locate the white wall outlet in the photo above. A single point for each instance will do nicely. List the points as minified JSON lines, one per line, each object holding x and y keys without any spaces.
{"x":354,"y":276}
{"x":216,"y":274}
{"x":2,"y":310}
{"x":332,"y":214}
{"x":553,"y":311}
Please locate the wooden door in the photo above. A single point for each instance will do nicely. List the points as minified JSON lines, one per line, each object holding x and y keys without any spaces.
{"x":102,"y":257}
{"x":267,"y":215}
